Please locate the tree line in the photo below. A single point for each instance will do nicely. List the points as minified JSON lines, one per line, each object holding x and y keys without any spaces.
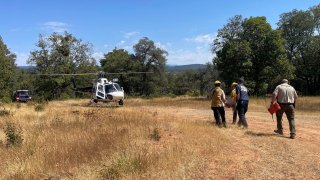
{"x":247,"y":47}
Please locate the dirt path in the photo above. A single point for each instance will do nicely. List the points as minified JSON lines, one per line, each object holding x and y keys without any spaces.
{"x":259,"y":152}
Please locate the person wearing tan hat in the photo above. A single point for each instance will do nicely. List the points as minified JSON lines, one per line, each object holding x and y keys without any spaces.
{"x":217,"y":104}
{"x":286,"y":96}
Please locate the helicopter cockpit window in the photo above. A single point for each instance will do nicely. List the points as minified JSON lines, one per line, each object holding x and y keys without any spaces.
{"x":117,"y":87}
{"x":110,"y":88}
{"x":100,"y":88}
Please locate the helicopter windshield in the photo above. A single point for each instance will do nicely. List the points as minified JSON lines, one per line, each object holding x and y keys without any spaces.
{"x":117,"y":87}
{"x":110,"y":88}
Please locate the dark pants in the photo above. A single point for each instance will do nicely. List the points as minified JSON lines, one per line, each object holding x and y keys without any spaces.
{"x":235,"y":112}
{"x":289,"y":110}
{"x":242,"y":107}
{"x":217,"y":112}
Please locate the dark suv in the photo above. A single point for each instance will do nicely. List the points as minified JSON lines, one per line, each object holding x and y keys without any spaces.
{"x":21,"y":96}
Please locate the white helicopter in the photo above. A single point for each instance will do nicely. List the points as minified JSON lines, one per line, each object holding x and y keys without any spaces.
{"x":107,"y":91}
{"x":102,"y":90}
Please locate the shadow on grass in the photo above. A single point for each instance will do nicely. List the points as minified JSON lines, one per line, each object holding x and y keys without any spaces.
{"x":261,"y":134}
{"x":98,"y":105}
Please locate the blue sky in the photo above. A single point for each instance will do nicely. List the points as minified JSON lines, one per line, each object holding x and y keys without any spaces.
{"x":184,"y":28}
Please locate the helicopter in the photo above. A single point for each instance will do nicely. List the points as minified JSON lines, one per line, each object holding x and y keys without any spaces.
{"x":102,"y":90}
{"x":107,"y":91}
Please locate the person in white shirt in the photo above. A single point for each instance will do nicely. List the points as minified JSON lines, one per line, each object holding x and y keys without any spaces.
{"x":286,"y":96}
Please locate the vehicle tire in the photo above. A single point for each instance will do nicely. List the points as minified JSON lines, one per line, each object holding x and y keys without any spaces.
{"x":121,"y":102}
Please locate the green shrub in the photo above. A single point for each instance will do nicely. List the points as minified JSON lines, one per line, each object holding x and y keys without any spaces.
{"x":193,"y":93}
{"x":110,"y":173}
{"x":155,"y":135}
{"x":39,"y":107}
{"x":125,"y":164}
{"x":13,"y":133}
{"x":18,"y":105}
{"x":5,"y":99}
{"x":171,"y":95}
{"x":4,"y":112}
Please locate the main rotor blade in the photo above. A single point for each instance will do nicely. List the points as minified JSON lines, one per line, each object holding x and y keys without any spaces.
{"x":85,"y":74}
{"x":132,"y":73}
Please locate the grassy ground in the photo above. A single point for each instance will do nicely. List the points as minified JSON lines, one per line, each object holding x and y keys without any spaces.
{"x":162,"y":138}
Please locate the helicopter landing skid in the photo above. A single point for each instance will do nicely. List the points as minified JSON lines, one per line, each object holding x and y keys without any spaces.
{"x":99,"y":102}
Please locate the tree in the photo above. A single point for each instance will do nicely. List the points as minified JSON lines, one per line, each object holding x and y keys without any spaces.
{"x":151,"y":58}
{"x":297,"y":27}
{"x":205,"y":77}
{"x":7,"y":71}
{"x":308,"y":68}
{"x":269,"y":61}
{"x":63,"y":54}
{"x":301,"y":32}
{"x":233,"y":53}
{"x":256,"y":52}
{"x":120,"y":61}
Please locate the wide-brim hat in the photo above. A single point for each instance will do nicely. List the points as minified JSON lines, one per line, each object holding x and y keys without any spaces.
{"x":217,"y":82}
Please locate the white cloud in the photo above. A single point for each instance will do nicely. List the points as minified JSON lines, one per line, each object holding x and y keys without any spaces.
{"x":164,"y":46}
{"x":202,"y":38}
{"x":98,"y":55}
{"x":15,"y":30}
{"x":198,"y":51}
{"x":198,"y":55}
{"x":54,"y":26}
{"x":131,"y":34}
{"x":22,"y":58}
{"x":121,"y":43}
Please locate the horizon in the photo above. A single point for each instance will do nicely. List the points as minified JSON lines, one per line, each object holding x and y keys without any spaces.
{"x":184,"y":29}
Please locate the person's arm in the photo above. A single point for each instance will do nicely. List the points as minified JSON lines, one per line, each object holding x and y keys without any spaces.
{"x":237,"y":93}
{"x":273,"y":98}
{"x":274,"y":95}
{"x":223,"y":97}
{"x":295,"y":98}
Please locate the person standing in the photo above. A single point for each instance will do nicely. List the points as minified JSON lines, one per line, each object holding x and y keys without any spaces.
{"x":217,"y":104}
{"x":242,"y":102}
{"x":286,"y":96}
{"x":233,"y":102}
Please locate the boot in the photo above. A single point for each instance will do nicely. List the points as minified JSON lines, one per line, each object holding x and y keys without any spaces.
{"x":292,"y":136}
{"x":278,"y":131}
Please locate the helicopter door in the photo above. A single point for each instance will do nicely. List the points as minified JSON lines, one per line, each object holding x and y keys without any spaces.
{"x":100,"y":93}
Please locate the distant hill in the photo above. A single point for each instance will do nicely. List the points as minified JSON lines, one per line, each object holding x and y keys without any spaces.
{"x":175,"y":68}
{"x":26,"y":67}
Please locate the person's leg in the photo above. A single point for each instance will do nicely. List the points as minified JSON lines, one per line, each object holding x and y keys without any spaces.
{"x":279,"y":114}
{"x":245,"y":109}
{"x":234,"y":109}
{"x":240,"y":110}
{"x":216,"y":115}
{"x":290,"y":116}
{"x":242,"y":107}
{"x":223,"y":116}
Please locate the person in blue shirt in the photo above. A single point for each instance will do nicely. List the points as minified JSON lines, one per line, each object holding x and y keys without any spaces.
{"x":242,"y":102}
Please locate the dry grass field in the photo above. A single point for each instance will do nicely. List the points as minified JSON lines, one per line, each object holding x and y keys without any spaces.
{"x":162,"y":138}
